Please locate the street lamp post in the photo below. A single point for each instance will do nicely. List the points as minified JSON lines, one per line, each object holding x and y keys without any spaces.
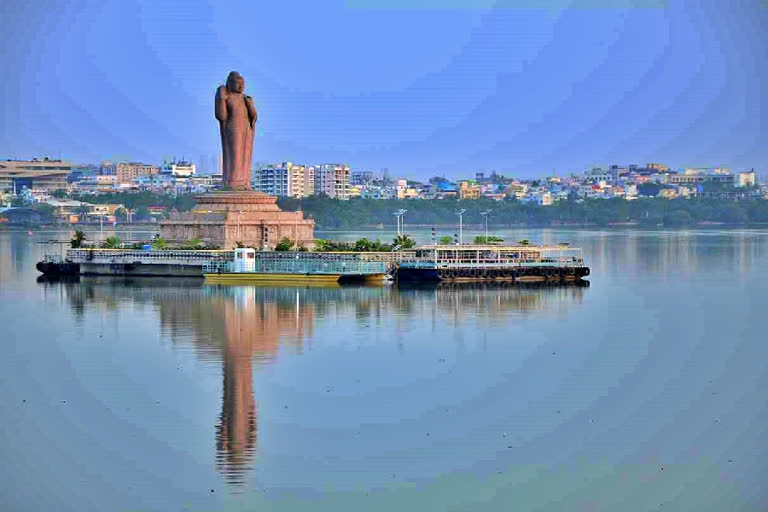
{"x":485,"y":214}
{"x":461,"y":226}
{"x":399,"y":216}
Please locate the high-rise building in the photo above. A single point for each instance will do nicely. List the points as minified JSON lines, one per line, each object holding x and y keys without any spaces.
{"x":274,"y":180}
{"x":309,"y":181}
{"x":332,"y":180}
{"x":296,"y":183}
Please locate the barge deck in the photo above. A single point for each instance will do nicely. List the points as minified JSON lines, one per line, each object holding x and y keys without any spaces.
{"x":518,"y":263}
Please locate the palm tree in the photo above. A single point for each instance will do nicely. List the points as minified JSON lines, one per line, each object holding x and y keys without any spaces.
{"x":404,"y":241}
{"x":77,"y":239}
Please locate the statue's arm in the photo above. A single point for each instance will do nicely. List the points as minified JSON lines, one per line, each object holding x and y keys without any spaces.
{"x":221,"y":103}
{"x":252,"y":114}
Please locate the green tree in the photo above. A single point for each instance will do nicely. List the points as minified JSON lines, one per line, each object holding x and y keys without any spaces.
{"x":363,"y":245}
{"x":285,"y":244}
{"x":159,"y":243}
{"x":446,"y":240}
{"x":46,"y":210}
{"x":481,"y":239}
{"x":112,"y":242}
{"x":141,"y":213}
{"x":677,"y":218}
{"x":77,"y":239}
{"x":404,"y":241}
{"x":193,"y":243}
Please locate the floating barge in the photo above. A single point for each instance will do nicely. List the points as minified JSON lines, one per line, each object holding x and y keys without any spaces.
{"x":251,"y":266}
{"x":518,"y":263}
{"x":131,"y":262}
{"x":430,"y":263}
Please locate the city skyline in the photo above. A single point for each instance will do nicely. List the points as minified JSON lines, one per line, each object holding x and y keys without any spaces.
{"x":422,"y":92}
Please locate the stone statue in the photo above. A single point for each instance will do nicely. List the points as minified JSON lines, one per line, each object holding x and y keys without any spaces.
{"x":237,"y":120}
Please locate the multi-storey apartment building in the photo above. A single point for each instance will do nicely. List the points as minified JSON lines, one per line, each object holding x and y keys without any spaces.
{"x":127,"y":171}
{"x":296,"y":182}
{"x":696,"y":178}
{"x":332,"y":180}
{"x":309,"y":181}
{"x":273,"y":180}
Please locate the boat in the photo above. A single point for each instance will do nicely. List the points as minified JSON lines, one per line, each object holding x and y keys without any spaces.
{"x":516,"y":263}
{"x":252,"y":266}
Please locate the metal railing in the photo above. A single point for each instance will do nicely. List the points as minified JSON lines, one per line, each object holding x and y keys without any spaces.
{"x":482,"y":257}
{"x":177,"y":257}
{"x":301,"y":265}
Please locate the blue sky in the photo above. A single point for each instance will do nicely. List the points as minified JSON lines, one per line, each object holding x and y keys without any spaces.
{"x":522,"y":87}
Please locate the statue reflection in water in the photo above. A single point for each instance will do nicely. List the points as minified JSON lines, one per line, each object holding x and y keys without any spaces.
{"x":245,"y":327}
{"x":250,"y":326}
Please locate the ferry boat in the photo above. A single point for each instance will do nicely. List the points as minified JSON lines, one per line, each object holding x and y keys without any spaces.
{"x":520,"y":263}
{"x":251,"y":266}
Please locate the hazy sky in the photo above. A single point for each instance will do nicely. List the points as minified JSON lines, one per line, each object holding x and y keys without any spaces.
{"x":525,"y":87}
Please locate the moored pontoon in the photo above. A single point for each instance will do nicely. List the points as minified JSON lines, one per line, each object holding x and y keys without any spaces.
{"x":523,"y":263}
{"x":249,"y":266}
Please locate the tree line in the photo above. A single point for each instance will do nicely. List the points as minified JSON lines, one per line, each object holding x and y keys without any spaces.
{"x":336,"y":214}
{"x":331,"y":213}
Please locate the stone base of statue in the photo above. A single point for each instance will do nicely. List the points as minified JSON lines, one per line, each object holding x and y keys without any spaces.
{"x":226,"y":218}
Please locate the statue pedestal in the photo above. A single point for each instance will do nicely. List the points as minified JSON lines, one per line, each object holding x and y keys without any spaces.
{"x":225,"y":218}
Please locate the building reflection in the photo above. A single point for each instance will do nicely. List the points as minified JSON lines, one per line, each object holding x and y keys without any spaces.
{"x":245,"y":328}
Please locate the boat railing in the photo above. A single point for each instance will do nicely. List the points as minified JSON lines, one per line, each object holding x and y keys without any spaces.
{"x":481,"y":256}
{"x":53,"y":258}
{"x":566,"y":261}
{"x":147,"y":256}
{"x":300,"y":265}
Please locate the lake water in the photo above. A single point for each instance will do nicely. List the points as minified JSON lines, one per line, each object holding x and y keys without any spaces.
{"x":644,"y":391}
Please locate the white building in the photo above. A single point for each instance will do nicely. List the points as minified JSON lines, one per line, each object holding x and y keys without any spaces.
{"x":747,"y":179}
{"x":182,"y":169}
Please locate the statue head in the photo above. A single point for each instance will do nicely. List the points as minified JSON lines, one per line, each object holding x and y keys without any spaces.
{"x":235,"y":82}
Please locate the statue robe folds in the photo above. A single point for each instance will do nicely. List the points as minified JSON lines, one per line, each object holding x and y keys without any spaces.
{"x":237,"y":116}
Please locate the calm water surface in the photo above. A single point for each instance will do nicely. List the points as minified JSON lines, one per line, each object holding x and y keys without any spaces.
{"x":644,"y":391}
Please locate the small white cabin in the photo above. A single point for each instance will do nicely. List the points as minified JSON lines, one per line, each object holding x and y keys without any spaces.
{"x":245,"y":260}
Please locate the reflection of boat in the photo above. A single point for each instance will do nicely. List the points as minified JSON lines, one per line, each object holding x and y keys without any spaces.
{"x":459,"y":285}
{"x":270,"y":283}
{"x":281,"y":279}
{"x":249,"y":266}
{"x":516,"y":263}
